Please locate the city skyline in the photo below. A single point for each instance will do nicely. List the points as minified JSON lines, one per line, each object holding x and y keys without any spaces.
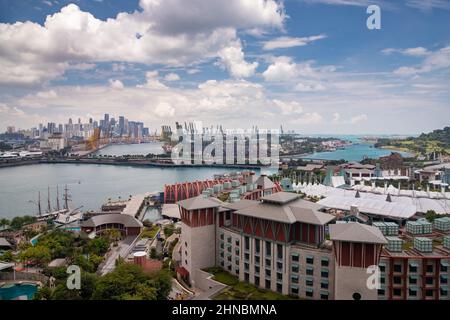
{"x":309,"y":65}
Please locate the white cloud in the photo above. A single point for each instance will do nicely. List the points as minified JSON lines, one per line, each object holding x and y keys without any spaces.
{"x":309,"y":87}
{"x":47,"y":94}
{"x":435,"y":60}
{"x":415,"y":52}
{"x":358,"y":118}
{"x":288,"y":42}
{"x":164,"y":32}
{"x":193,"y":71}
{"x":307,"y":119}
{"x":288,"y":107}
{"x":282,"y":69}
{"x":427,"y":5}
{"x":232,"y":59}
{"x":171,"y":77}
{"x":116,"y":84}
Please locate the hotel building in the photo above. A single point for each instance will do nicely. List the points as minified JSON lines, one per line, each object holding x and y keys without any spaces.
{"x":281,"y":243}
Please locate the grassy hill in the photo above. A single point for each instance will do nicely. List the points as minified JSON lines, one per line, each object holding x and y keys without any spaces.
{"x":426,"y":143}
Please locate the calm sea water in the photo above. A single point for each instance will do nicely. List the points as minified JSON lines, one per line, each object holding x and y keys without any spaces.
{"x":90,"y":185}
{"x":132,"y":149}
{"x":355,"y":152}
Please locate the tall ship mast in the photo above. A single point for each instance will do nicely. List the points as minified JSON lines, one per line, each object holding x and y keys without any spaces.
{"x":57,"y":198}
{"x":49,"y":207}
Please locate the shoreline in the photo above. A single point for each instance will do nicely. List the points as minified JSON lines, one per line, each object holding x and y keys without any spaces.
{"x":140,"y":164}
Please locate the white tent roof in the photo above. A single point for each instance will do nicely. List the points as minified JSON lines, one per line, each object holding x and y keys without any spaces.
{"x":371,"y":206}
{"x":422,"y":201}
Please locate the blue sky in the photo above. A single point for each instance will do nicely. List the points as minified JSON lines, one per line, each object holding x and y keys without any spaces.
{"x":309,"y":65}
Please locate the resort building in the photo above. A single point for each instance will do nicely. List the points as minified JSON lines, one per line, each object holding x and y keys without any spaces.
{"x":286,"y":244}
{"x":126,"y":224}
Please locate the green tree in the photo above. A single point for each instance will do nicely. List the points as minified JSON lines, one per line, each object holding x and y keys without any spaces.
{"x":125,"y":282}
{"x":162,"y":281}
{"x":38,"y":255}
{"x":98,"y":246}
{"x":7,"y":256}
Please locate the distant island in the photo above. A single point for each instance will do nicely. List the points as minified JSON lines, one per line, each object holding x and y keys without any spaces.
{"x":437,"y":141}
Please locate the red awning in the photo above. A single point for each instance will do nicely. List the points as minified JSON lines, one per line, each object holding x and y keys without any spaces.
{"x":182,"y":271}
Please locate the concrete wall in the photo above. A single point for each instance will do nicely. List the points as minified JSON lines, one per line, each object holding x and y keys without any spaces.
{"x":350,"y":280}
{"x":197,"y":248}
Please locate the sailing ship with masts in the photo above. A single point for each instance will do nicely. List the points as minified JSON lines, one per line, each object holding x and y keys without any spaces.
{"x":64,"y":215}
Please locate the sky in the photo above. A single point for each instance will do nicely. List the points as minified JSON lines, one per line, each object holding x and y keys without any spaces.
{"x":312,"y":66}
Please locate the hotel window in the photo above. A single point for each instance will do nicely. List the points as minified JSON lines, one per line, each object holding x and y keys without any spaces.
{"x":222,"y":263}
{"x":268,"y":248}
{"x":295,"y":257}
{"x":309,"y":282}
{"x":185,"y":262}
{"x":267,"y":284}
{"x":229,"y":239}
{"x":268,"y":263}
{"x":222,"y":246}
{"x":256,"y":270}
{"x":236,"y":251}
{"x":279,"y":251}
{"x":229,"y":258}
{"x":279,"y":276}
{"x":295,"y":268}
{"x":221,"y":237}
{"x":246,"y":266}
{"x":257,"y":259}
{"x":279,"y":288}
{"x":444,"y":292}
{"x":324,"y":262}
{"x":429,"y":293}
{"x":257,"y":281}
{"x":412,"y":292}
{"x":381,"y":292}
{"x":430,"y":268}
{"x":324,"y":284}
{"x":397,"y":280}
{"x":324,"y":273}
{"x":236,"y":261}
{"x":294,"y":279}
{"x":246,"y":257}
{"x":309,"y":259}
{"x":382,"y":280}
{"x":324,"y":296}
{"x":444,"y":279}
{"x":294,"y":290}
{"x":268,"y":273}
{"x":429,"y":280}
{"x":444,"y":266}
{"x":247,"y":243}
{"x":309,"y":292}
{"x":229,"y":249}
{"x":382,"y":267}
{"x":279,"y":266}
{"x":246,"y":277}
{"x":237,"y":242}
{"x":257,"y":246}
{"x":222,"y":254}
{"x":397,"y":268}
{"x":397,"y":292}
{"x":237,"y":270}
{"x":413,"y":267}
{"x":229,"y":267}
{"x":310,"y":271}
{"x":412,"y":280}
